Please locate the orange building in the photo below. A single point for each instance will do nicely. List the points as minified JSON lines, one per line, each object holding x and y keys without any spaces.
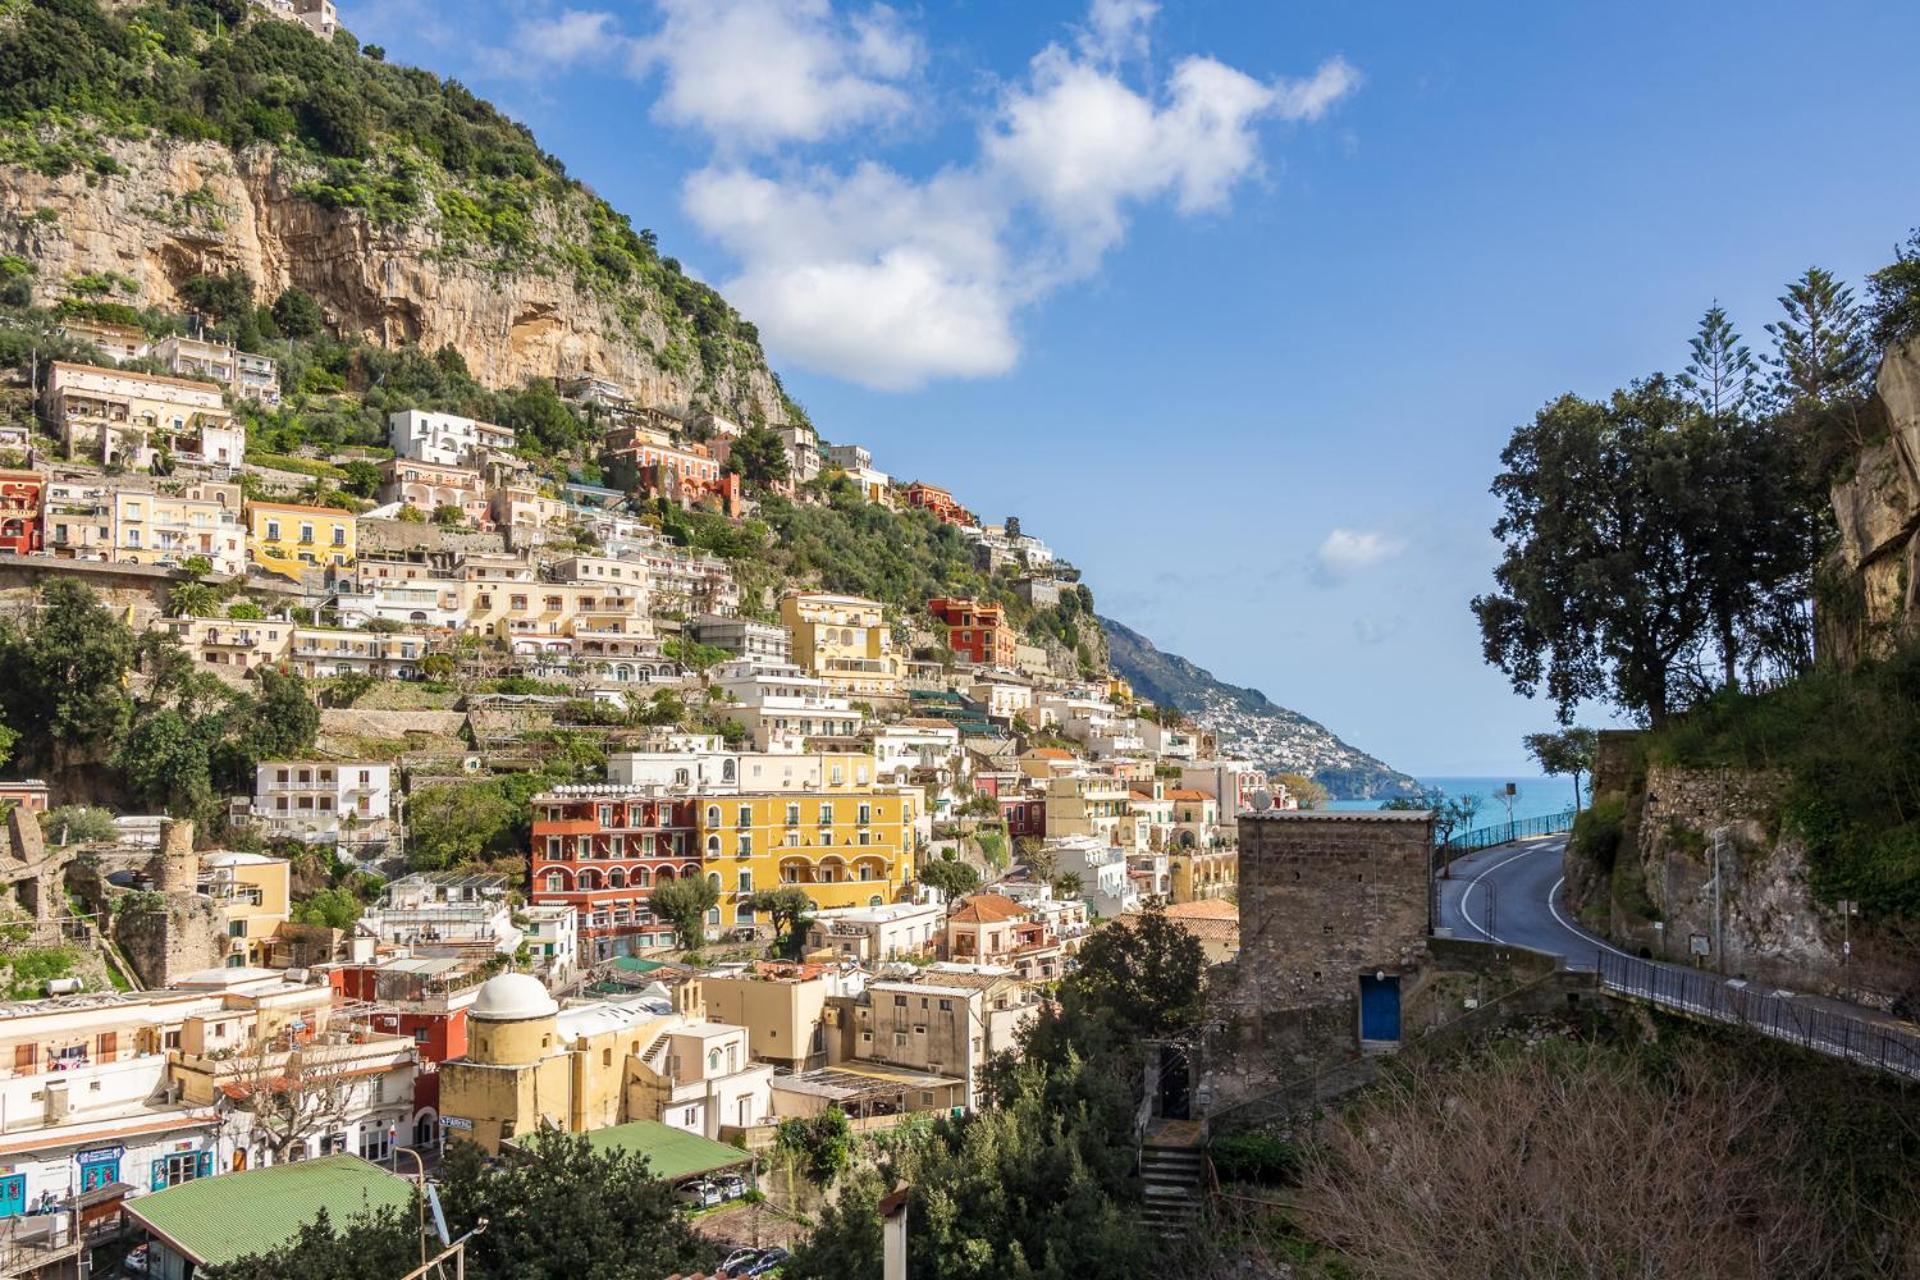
{"x":932,"y":498}
{"x":977,"y":632}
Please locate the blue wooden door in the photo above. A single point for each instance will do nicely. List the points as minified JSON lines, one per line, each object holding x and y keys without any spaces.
{"x":1379,"y":1008}
{"x":99,"y":1173}
{"x":13,"y":1195}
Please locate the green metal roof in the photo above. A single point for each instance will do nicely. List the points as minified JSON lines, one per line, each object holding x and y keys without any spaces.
{"x":219,"y":1219}
{"x":671,"y":1153}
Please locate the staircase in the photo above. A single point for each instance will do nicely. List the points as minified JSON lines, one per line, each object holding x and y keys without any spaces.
{"x":1173,"y":1171}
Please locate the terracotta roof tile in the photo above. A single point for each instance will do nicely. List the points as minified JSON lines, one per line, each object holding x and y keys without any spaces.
{"x":987,"y":908}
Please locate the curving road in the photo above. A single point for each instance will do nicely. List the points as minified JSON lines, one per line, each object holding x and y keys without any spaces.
{"x":1512,"y":893}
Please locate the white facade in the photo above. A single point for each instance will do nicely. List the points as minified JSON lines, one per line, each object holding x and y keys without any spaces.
{"x":324,"y":801}
{"x":872,"y":935}
{"x":1230,"y":782}
{"x":782,"y":706}
{"x":1102,"y":869}
{"x":445,"y":438}
{"x":553,"y":939}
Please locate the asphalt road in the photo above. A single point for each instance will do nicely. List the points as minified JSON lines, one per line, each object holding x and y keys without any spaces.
{"x":1511,"y":893}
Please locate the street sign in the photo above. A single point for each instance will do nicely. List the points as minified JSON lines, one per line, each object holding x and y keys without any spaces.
{"x":456,"y":1122}
{"x":1698,"y":945}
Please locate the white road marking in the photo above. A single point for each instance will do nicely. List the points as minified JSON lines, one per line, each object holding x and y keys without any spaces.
{"x":1553,"y":905}
{"x":1474,"y":883}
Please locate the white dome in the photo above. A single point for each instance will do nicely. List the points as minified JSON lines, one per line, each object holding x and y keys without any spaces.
{"x":511,"y":997}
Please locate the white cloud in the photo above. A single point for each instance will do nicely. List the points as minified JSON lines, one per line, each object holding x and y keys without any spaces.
{"x":891,"y":280}
{"x":866,"y":275}
{"x":540,"y":46}
{"x":1347,"y":551}
{"x":756,"y":73}
{"x":1117,"y":29}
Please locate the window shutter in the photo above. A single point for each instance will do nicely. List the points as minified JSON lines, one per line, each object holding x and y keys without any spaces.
{"x":159,"y":1175}
{"x":206,"y":1164}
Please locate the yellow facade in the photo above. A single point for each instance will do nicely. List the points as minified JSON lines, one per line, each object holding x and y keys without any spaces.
{"x":845,"y":640}
{"x":290,"y":539}
{"x":254,"y":892}
{"x":846,"y":847}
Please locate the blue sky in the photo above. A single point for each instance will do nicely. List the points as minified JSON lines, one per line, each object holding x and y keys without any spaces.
{"x":1234,"y":302}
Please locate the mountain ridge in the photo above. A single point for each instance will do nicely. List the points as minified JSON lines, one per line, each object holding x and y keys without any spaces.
{"x":1247,"y":721}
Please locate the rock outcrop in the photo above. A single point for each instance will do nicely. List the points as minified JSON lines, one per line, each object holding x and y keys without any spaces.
{"x":174,"y":209}
{"x":1870,"y":591}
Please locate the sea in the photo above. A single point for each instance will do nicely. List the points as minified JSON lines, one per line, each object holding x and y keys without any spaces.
{"x":1533,"y":797}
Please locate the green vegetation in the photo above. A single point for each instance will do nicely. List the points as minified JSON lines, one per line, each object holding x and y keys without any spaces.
{"x":684,"y":904}
{"x":25,"y":971}
{"x":77,"y":824}
{"x":1040,"y":1184}
{"x":1849,"y":745}
{"x":65,"y":682}
{"x":391,"y":142}
{"x":555,"y":1208}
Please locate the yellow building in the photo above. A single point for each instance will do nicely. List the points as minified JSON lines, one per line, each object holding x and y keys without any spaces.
{"x":845,"y":640}
{"x":845,"y":846}
{"x":530,"y":1064}
{"x":290,"y":539}
{"x":172,"y":528}
{"x":254,"y":892}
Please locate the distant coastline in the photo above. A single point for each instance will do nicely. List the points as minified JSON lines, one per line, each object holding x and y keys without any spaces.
{"x":1537,"y":796}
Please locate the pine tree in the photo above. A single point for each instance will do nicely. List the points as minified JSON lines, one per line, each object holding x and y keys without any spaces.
{"x":1821,"y":352}
{"x":1720,"y":374}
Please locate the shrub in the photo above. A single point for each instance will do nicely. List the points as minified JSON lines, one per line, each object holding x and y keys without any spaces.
{"x":1255,"y":1157}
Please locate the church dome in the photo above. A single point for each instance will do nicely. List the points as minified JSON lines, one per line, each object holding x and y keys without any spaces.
{"x":512,"y":997}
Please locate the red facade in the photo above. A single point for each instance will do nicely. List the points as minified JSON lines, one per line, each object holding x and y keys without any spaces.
{"x":1024,"y":817}
{"x":938,"y":502}
{"x":21,"y":493}
{"x":977,"y":632}
{"x":602,"y":852}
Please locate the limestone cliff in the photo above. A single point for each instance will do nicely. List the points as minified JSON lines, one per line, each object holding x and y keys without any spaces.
{"x":166,"y":209}
{"x":1869,"y":594}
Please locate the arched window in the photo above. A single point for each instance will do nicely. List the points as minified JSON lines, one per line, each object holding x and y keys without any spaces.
{"x":713,"y":846}
{"x":713,"y":1062}
{"x":713,"y":815}
{"x":665,"y":876}
{"x":589,"y":879}
{"x":641,"y":878}
{"x":728,"y":771}
{"x":616,"y":879}
{"x":556,"y":883}
{"x":713,"y":878}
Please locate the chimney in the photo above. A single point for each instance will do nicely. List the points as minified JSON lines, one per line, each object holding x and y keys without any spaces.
{"x":893,"y":1233}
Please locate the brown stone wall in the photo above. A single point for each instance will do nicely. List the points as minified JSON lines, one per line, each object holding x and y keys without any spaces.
{"x":1325,"y":897}
{"x":1613,"y":760}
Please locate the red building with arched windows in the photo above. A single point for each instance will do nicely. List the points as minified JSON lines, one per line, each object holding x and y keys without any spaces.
{"x":601,"y":850}
{"x":21,"y":495}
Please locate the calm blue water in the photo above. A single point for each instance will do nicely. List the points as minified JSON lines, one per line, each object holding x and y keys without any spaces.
{"x":1537,"y":797}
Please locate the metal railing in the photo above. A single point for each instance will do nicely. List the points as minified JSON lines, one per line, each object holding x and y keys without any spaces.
{"x":1502,"y":833}
{"x":1882,"y":1045}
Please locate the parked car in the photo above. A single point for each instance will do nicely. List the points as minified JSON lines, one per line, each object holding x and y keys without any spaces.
{"x":699,"y":1194}
{"x":135,"y":1263}
{"x":733,"y":1186}
{"x":739,"y":1262}
{"x":770,"y":1261}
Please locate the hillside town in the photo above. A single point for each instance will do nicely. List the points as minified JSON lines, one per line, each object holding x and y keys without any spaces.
{"x":844,"y":868}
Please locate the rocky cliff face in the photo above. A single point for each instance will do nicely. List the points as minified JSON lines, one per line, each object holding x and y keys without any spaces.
{"x":1870,"y":596}
{"x":1659,"y":896}
{"x":178,"y":208}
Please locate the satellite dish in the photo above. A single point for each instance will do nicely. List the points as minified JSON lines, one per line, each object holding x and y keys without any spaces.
{"x":1262,"y":800}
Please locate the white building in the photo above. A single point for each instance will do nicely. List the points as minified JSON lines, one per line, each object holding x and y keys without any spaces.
{"x":552,"y":939}
{"x":872,"y":935}
{"x":445,"y":438}
{"x":446,"y":911}
{"x":781,"y":706}
{"x":344,"y":803}
{"x":1168,"y":744}
{"x":1102,"y":868}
